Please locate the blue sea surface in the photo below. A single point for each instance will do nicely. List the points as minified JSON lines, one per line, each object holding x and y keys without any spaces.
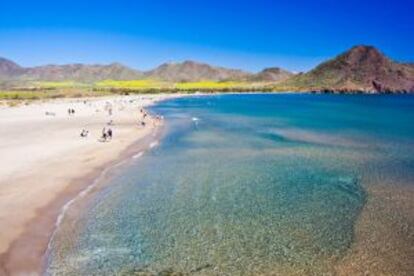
{"x":243,"y":184}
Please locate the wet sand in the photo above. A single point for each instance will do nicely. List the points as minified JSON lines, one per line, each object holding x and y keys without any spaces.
{"x":384,"y":233}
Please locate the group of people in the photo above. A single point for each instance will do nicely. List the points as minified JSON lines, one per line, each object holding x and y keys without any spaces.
{"x":106,"y":134}
{"x":144,"y":114}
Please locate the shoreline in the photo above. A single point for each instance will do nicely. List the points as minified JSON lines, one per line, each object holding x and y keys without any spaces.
{"x":79,"y":189}
{"x":25,"y":239}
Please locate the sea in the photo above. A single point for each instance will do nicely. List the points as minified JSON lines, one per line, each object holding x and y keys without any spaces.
{"x":244,"y":184}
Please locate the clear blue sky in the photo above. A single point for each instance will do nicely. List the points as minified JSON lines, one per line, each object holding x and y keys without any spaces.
{"x":244,"y":34}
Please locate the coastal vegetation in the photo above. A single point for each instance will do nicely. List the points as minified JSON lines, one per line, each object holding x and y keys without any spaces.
{"x":57,"y":84}
{"x":66,"y":89}
{"x":132,"y":84}
{"x":16,"y":96}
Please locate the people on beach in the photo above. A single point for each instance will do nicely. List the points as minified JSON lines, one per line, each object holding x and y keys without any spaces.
{"x":104,"y":135}
{"x":71,"y":111}
{"x":84,"y":133}
{"x":107,"y":134}
{"x":108,"y":107}
{"x":144,"y":113}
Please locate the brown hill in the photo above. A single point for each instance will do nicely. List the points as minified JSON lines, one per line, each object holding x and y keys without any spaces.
{"x":362,"y":68}
{"x":194,"y":71}
{"x":9,"y":69}
{"x":81,"y":72}
{"x":274,"y":74}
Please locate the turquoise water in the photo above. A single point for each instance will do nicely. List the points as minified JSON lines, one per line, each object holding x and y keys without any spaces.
{"x":242,"y":185}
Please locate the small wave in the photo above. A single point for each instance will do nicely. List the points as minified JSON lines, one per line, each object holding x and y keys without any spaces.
{"x":86,"y":191}
{"x":153,"y":144}
{"x":80,"y":195}
{"x":195,"y":121}
{"x":138,"y":155}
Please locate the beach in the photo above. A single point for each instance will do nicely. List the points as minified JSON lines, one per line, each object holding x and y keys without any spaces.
{"x":45,"y":163}
{"x":292,"y":199}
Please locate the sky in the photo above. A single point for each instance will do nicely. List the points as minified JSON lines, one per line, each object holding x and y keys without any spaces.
{"x":249,"y":35}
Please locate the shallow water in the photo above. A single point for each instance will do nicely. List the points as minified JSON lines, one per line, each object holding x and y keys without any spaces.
{"x":243,"y":184}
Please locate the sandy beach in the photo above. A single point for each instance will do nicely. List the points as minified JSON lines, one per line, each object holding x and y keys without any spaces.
{"x":45,"y":162}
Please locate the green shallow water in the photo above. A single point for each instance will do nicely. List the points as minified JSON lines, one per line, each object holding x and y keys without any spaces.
{"x":241,"y":185}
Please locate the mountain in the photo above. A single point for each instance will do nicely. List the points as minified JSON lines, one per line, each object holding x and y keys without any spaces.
{"x":69,"y":72}
{"x":81,"y":72}
{"x":190,"y":71}
{"x":194,"y":71}
{"x":274,"y":74}
{"x":9,"y":69}
{"x":362,"y":68}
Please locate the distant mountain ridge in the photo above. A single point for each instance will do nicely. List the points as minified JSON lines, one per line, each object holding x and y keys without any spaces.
{"x":82,"y":73}
{"x":73,"y":72}
{"x":187,"y":71}
{"x":362,"y":68}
